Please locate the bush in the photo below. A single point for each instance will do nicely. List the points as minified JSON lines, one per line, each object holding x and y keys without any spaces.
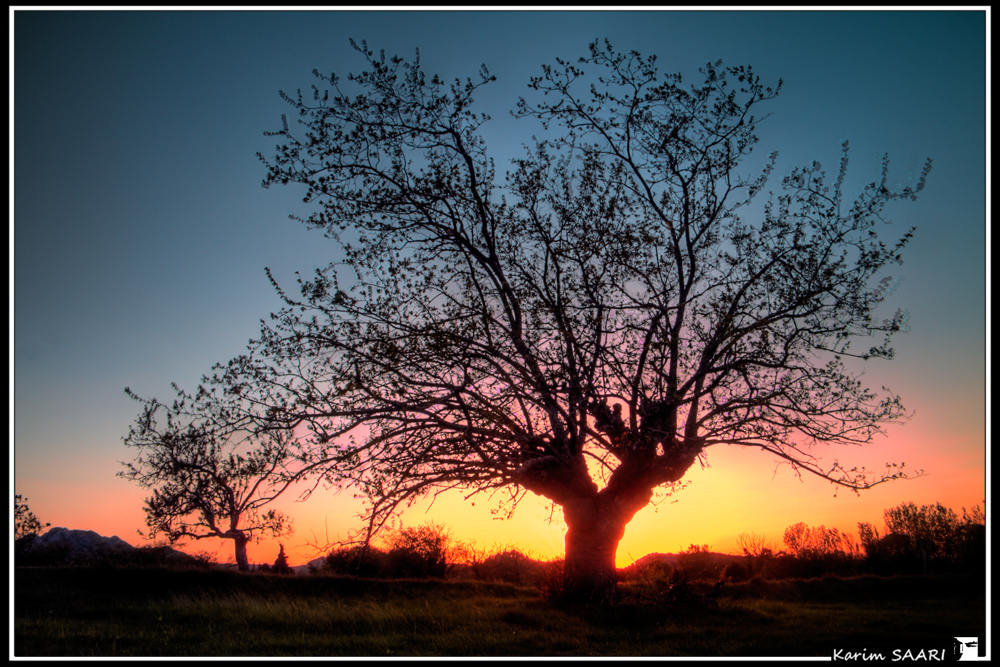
{"x":550,"y":583}
{"x":653,"y":569}
{"x":736,"y":571}
{"x":698,"y":562}
{"x":407,"y":563}
{"x":412,"y":553}
{"x":358,"y":561}
{"x":512,"y":566}
{"x":419,"y":552}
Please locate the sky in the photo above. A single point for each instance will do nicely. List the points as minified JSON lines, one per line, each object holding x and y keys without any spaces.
{"x":140,"y":234}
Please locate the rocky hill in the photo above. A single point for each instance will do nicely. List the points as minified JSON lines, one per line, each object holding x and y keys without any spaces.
{"x":73,"y":547}
{"x":675,"y":559}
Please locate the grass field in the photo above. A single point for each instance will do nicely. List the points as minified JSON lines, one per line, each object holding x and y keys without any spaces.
{"x":164,"y":612}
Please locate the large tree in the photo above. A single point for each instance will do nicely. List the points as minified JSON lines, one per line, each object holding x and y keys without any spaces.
{"x":212,"y":472}
{"x":583,"y":328}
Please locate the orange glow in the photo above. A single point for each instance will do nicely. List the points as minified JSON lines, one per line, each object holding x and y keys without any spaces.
{"x":742,"y":491}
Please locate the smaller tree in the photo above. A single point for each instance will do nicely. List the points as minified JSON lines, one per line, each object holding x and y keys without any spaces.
{"x":281,"y":562}
{"x":473,"y":556}
{"x":757,"y":551}
{"x":210,"y":473}
{"x":26,"y":526}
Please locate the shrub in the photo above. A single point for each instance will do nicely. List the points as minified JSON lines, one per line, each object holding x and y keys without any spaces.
{"x":736,"y":571}
{"x":550,"y":583}
{"x":698,"y":562}
{"x":420,"y":551}
{"x":358,"y":561}
{"x":654,"y":569}
{"x":406,"y":563}
{"x":512,"y":566}
{"x":281,"y":562}
{"x":412,"y":553}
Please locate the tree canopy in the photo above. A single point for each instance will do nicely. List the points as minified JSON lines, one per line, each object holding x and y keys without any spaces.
{"x":586,"y":325}
{"x":210,"y":477}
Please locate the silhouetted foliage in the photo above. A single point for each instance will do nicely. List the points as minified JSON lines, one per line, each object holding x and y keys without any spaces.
{"x":756,"y":550}
{"x":753,"y":545}
{"x":681,"y":591}
{"x":473,"y":558}
{"x":931,"y":539}
{"x":806,"y":542}
{"x":411,"y":552}
{"x":281,"y":562}
{"x":604,"y":301}
{"x":736,"y":572}
{"x":421,"y":551}
{"x":654,"y":580}
{"x":926,"y":539}
{"x":26,"y":526}
{"x":815,"y":552}
{"x":358,"y":561}
{"x":698,"y":562}
{"x":513,"y":566}
{"x":210,"y":478}
{"x":653,"y":569}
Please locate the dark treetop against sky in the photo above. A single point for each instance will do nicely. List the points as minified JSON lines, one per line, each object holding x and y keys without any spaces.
{"x":141,"y":231}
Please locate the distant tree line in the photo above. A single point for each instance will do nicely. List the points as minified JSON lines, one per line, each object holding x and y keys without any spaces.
{"x":927,"y":539}
{"x":930,"y":539}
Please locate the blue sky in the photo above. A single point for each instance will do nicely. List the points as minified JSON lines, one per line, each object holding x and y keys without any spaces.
{"x":141,"y":231}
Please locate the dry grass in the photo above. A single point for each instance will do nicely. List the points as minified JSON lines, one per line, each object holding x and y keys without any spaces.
{"x":61,"y":612}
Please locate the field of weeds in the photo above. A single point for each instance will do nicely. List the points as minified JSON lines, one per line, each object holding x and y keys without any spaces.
{"x":159,"y":612}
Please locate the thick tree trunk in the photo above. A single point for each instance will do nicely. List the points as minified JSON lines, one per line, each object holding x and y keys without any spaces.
{"x":596,"y":518}
{"x":241,"y":553}
{"x":593,"y":533}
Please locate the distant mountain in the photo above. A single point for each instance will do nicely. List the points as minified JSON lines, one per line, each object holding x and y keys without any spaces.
{"x":75,"y":546}
{"x":673,"y":559}
{"x":304,"y":569}
{"x":656,"y":558}
{"x":79,"y":543}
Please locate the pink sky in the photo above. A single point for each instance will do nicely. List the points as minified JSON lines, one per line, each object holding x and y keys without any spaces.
{"x":742,"y":491}
{"x":145,"y":266}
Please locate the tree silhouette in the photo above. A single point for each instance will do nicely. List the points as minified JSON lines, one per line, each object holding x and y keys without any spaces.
{"x":420,"y":551}
{"x":210,"y":477}
{"x":807,"y":542}
{"x":26,"y":526}
{"x":926,"y":534}
{"x":585,"y":328}
{"x":753,"y":545}
{"x":281,"y":562}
